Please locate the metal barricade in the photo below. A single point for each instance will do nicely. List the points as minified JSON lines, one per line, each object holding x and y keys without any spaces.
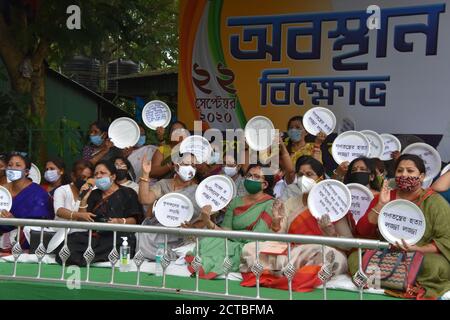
{"x":324,"y":275}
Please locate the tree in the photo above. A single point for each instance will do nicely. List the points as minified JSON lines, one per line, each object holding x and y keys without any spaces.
{"x":35,"y":31}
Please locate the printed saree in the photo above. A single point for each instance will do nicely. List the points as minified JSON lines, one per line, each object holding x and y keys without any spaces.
{"x":239,"y":217}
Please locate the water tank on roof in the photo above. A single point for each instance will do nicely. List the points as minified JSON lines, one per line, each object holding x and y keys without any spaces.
{"x":119,"y":68}
{"x":84,"y":70}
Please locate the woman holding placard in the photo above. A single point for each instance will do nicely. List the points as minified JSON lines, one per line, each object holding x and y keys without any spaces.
{"x":30,"y":201}
{"x":99,"y":147}
{"x":434,"y":276}
{"x":182,"y":182}
{"x":252,"y":212}
{"x":296,"y":143}
{"x":108,"y":203}
{"x":293,"y":217}
{"x":162,"y":166}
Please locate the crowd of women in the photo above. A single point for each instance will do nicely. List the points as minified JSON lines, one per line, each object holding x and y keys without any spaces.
{"x":119,"y":186}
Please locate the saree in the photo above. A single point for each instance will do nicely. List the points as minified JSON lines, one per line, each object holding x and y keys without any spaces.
{"x":31,"y":203}
{"x":239,"y":217}
{"x":434,"y":277}
{"x":306,"y":258}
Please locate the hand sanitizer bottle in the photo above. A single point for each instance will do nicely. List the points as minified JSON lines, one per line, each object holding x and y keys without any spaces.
{"x":124,"y":256}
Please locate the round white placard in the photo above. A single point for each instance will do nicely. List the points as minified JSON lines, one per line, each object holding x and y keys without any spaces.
{"x":173,"y":209}
{"x":391,"y":144}
{"x":319,"y":119}
{"x":5,"y":199}
{"x":376,"y":143}
{"x":330,"y":197}
{"x":35,"y":174}
{"x":198,"y":146}
{"x":429,"y":155}
{"x":216,"y":191}
{"x":361,"y":199}
{"x":401,"y":219}
{"x":124,"y":132}
{"x":156,"y":114}
{"x":259,"y":133}
{"x":350,"y":145}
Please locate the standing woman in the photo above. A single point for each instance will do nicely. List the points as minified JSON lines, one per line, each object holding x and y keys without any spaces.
{"x":296,"y":143}
{"x":108,"y":203}
{"x":434,"y":277}
{"x":55,"y":175}
{"x":30,"y":200}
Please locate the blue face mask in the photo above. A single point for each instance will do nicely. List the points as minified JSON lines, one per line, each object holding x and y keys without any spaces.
{"x":96,"y":140}
{"x":141,"y":141}
{"x":295,"y":134}
{"x":103,"y":183}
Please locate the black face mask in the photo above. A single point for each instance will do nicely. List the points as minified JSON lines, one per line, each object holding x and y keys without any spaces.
{"x":360,"y":177}
{"x":121,"y":174}
{"x":79,"y":183}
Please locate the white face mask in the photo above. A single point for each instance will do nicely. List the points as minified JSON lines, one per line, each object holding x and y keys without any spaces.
{"x":305,"y":183}
{"x":14,"y":175}
{"x":230,"y":171}
{"x":51,"y":175}
{"x":186,"y":173}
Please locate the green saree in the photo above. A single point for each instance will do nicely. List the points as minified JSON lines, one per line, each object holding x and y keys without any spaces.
{"x":239,"y":217}
{"x":434,"y":276}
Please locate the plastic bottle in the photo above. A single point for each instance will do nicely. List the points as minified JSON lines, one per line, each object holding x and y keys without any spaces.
{"x":124,"y":265}
{"x":158,"y":258}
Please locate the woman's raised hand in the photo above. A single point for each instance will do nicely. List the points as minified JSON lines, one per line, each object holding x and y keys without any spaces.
{"x":146,"y":165}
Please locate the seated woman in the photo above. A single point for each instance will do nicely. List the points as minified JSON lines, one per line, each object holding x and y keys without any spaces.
{"x":109,"y":203}
{"x":182,"y":182}
{"x":293,"y":217}
{"x":124,"y":167}
{"x":30,"y":200}
{"x":252,"y":212}
{"x":55,"y":175}
{"x":434,"y":277}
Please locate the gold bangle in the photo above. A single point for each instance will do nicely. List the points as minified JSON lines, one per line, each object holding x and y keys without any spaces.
{"x":143,"y":179}
{"x":84,"y":207}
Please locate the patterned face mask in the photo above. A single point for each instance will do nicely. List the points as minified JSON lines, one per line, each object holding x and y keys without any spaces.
{"x":407,"y":184}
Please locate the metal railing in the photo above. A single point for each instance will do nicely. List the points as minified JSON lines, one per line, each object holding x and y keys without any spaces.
{"x":289,"y":270}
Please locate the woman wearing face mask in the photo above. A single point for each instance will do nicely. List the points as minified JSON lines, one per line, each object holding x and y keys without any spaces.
{"x":252,"y":212}
{"x":66,"y":202}
{"x":182,"y":182}
{"x":162,"y":166}
{"x":3,"y":165}
{"x":434,"y":277}
{"x":363,"y":171}
{"x":123,"y":173}
{"x":233,"y":170}
{"x":108,"y":203}
{"x":296,"y":143}
{"x":30,"y":201}
{"x":100,"y":147}
{"x":55,"y":175}
{"x":293,"y":217}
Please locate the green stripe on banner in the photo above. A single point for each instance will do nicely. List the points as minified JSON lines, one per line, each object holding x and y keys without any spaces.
{"x":215,"y":47}
{"x":14,"y":289}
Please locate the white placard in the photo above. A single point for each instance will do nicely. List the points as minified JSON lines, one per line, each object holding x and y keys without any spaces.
{"x":156,"y":114}
{"x":376,"y":143}
{"x":401,"y":219}
{"x":319,"y":119}
{"x":35,"y":174}
{"x":124,"y":132}
{"x":391,"y":144}
{"x":361,"y":199}
{"x":216,"y":191}
{"x":350,"y":145}
{"x":198,"y":146}
{"x":330,"y":197}
{"x":429,"y":155}
{"x":173,"y":209}
{"x":259,"y":133}
{"x":5,"y":199}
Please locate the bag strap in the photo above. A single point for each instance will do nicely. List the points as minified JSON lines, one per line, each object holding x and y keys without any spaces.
{"x":399,"y":260}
